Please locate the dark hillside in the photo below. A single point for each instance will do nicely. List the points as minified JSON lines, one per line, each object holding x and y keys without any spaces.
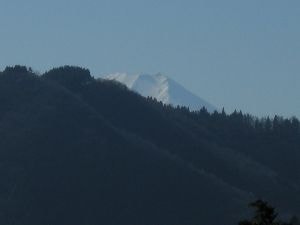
{"x":78,"y":150}
{"x":63,"y":163}
{"x":243,"y":151}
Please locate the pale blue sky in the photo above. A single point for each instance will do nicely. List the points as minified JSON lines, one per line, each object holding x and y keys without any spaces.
{"x":242,"y":54}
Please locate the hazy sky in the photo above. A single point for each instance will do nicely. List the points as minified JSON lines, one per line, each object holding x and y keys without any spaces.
{"x":242,"y":54}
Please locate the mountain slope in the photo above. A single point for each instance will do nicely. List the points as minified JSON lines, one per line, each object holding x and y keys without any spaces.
{"x":162,"y":88}
{"x":63,"y":163}
{"x":76,"y":150}
{"x":203,"y":144}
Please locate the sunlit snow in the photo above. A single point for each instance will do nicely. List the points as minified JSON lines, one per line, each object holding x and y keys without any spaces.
{"x":162,"y":88}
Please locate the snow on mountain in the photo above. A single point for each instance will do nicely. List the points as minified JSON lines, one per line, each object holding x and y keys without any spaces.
{"x":162,"y":88}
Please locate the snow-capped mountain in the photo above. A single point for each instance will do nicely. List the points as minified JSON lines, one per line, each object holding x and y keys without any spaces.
{"x":162,"y":88}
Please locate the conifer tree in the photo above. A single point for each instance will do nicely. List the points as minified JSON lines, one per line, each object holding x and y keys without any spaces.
{"x":264,"y":215}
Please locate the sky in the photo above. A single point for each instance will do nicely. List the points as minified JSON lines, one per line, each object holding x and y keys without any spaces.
{"x":236,"y":54}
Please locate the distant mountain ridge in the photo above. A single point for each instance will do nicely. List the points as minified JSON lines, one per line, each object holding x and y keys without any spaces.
{"x":162,"y":88}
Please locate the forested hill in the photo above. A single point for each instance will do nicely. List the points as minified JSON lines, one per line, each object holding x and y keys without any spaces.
{"x":80,"y":150}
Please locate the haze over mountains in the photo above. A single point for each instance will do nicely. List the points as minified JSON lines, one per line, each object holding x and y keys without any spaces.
{"x":163,"y":89}
{"x":79,"y":150}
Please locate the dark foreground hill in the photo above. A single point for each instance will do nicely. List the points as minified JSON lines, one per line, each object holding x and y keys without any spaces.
{"x":77,"y":150}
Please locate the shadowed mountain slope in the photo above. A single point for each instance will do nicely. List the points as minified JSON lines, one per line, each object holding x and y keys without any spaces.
{"x":75,"y":150}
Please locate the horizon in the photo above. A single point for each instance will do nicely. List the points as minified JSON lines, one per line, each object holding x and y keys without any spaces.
{"x":218,"y":109}
{"x":236,"y":55}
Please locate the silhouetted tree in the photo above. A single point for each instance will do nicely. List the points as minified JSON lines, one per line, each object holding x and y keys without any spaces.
{"x":264,"y":215}
{"x":69,"y":76}
{"x":16,"y":69}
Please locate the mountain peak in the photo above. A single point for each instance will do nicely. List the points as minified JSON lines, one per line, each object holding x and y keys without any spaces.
{"x":162,"y":88}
